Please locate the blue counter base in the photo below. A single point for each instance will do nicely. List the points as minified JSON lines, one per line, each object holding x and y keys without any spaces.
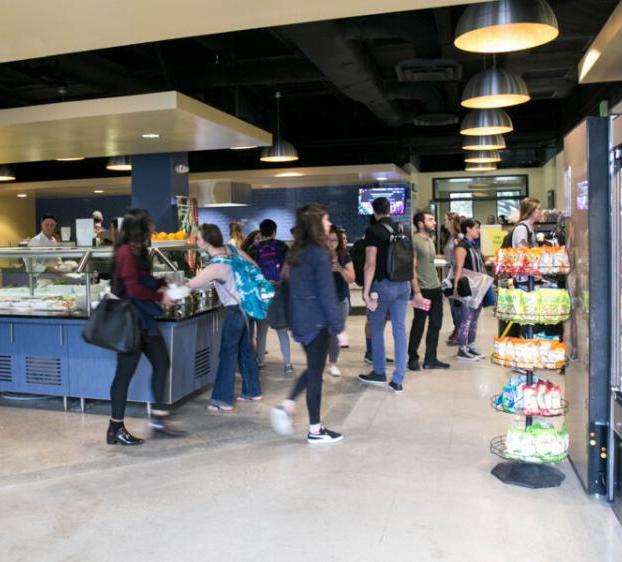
{"x":47,"y":356}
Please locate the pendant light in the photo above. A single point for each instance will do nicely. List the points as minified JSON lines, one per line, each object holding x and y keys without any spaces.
{"x":488,"y":142}
{"x":480,"y":168}
{"x":281,"y":150}
{"x":6,"y":173}
{"x":504,"y":26}
{"x":495,"y":88}
{"x":483,"y":157}
{"x":119,"y":164}
{"x":486,"y":122}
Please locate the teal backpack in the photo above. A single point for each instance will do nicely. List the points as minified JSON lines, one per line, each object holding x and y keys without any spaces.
{"x":254,"y":290}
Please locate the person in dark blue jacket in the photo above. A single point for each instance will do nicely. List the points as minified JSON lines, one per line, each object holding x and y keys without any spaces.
{"x":314,"y":316}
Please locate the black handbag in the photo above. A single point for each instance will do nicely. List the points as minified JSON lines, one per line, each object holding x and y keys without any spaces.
{"x":278,"y":313}
{"x":114,"y":325}
{"x":464,"y":289}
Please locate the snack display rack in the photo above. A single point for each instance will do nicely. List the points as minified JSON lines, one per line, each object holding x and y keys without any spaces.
{"x":531,"y":471}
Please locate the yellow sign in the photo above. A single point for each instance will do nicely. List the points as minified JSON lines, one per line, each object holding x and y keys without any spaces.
{"x":491,"y":238}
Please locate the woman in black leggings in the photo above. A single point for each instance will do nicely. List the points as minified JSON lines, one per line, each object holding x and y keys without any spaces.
{"x":314,"y":315}
{"x":132,"y":280}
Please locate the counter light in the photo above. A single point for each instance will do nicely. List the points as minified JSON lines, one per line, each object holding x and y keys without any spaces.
{"x":70,"y":159}
{"x":6,"y":174}
{"x":150,"y":135}
{"x":98,"y":191}
{"x":22,"y":195}
{"x":242,"y":147}
{"x":119,"y":164}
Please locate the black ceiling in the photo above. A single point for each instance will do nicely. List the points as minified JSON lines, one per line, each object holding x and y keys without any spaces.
{"x":352,"y":89}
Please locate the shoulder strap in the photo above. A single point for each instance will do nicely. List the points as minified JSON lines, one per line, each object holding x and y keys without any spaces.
{"x":388,"y":227}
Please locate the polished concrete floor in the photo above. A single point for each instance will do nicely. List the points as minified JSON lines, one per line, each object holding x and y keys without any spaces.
{"x":410,"y":482}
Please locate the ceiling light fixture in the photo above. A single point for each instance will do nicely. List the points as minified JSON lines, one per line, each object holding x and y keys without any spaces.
{"x":505,"y":26}
{"x":150,"y":135}
{"x":70,"y":159}
{"x":98,"y":191}
{"x":488,"y":142}
{"x":22,"y":195}
{"x":382,"y":178}
{"x":480,"y":168}
{"x":486,"y":122}
{"x":495,"y":88}
{"x":483,"y":157}
{"x":241,"y":147}
{"x":288,"y":175}
{"x":119,"y":164}
{"x":6,"y":174}
{"x":281,"y":150}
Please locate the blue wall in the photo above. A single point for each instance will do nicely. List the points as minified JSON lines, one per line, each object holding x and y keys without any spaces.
{"x":277,"y":204}
{"x":68,"y":210}
{"x":280,"y":205}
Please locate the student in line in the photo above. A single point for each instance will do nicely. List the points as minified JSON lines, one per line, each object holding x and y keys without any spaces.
{"x":236,"y":235}
{"x":269,"y":254}
{"x":132,"y":280}
{"x":314,"y":318}
{"x":235,"y":343}
{"x":343,"y":273}
{"x":452,"y":225}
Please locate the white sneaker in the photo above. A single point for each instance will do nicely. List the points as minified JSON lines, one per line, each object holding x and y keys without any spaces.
{"x":334,"y":371}
{"x":282,"y":421}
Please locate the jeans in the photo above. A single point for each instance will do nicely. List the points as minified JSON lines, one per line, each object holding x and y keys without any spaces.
{"x":333,"y":349}
{"x":468,"y":327}
{"x":262,"y":334}
{"x":393,"y":300}
{"x":235,"y":347}
{"x":155,"y":350}
{"x":435,"y":315}
{"x":311,"y":379}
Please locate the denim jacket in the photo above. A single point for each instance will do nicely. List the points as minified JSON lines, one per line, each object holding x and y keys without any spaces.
{"x":313,"y":301}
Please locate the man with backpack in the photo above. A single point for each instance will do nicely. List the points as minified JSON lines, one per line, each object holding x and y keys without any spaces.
{"x":269,"y":254}
{"x":427,"y":289}
{"x":388,"y":275}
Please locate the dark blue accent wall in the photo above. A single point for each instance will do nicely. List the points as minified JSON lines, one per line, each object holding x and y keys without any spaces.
{"x":280,"y":205}
{"x":68,"y":210}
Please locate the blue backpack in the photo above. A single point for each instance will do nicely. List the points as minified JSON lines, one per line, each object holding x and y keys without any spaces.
{"x":268,"y":259}
{"x":253,"y":289}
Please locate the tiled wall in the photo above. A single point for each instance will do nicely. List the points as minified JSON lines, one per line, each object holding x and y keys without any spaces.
{"x":280,"y":205}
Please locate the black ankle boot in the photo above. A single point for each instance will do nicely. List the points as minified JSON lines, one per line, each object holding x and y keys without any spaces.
{"x":118,"y":434}
{"x":163,"y":427}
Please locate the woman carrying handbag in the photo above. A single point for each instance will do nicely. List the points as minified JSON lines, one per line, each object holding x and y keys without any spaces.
{"x":132,"y":280}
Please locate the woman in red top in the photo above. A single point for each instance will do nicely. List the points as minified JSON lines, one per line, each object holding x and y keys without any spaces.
{"x":132,"y":280}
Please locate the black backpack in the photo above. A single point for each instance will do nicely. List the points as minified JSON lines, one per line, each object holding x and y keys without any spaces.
{"x":507,"y":240}
{"x":400,"y":256}
{"x":357,"y":253}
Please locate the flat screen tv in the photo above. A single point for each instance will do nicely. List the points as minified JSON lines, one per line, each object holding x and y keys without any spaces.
{"x":395,"y":195}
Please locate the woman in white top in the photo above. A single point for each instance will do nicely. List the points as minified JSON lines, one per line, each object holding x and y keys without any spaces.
{"x":236,"y":235}
{"x":524,"y":235}
{"x":235,"y":344}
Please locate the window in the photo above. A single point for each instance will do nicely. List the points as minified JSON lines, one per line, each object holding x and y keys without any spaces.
{"x":461,"y":203}
{"x":508,"y":203}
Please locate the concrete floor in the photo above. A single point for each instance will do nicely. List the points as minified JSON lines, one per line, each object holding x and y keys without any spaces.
{"x":411,"y":481}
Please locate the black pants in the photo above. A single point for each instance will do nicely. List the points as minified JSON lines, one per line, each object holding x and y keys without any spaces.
{"x":155,"y":350}
{"x":435,"y":315}
{"x":311,"y":379}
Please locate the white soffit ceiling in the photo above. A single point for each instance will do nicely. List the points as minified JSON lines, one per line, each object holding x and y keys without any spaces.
{"x":324,"y":176}
{"x":113,"y":127}
{"x":601,"y":62}
{"x":38,"y":28}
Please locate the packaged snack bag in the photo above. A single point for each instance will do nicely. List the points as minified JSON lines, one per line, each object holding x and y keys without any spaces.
{"x":531,"y":307}
{"x":541,"y":397}
{"x":530,"y":400}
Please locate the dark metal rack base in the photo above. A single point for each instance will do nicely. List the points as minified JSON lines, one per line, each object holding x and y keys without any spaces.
{"x":528,"y":475}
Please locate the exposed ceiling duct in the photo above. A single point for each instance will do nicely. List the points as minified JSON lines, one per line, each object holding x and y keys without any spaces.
{"x":429,"y":70}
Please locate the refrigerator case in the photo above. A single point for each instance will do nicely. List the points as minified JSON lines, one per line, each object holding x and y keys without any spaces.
{"x":588,"y":330}
{"x":614,"y":473}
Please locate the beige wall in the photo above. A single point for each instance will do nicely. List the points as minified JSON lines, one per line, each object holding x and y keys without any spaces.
{"x":17,"y":217}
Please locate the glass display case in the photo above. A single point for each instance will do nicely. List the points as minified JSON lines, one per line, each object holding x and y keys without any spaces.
{"x":62,"y":281}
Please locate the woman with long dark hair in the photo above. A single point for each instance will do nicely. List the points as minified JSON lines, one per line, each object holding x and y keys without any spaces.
{"x":343,"y":273}
{"x":314,"y":318}
{"x":235,"y":343}
{"x":452,"y":225}
{"x":132,"y":280}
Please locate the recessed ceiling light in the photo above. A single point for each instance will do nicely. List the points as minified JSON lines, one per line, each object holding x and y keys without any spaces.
{"x":98,"y":191}
{"x":382,"y":178}
{"x":119,"y":164}
{"x":288,"y":175}
{"x":150,"y":135}
{"x":22,"y":195}
{"x":6,"y":173}
{"x":242,"y":147}
{"x":70,"y":159}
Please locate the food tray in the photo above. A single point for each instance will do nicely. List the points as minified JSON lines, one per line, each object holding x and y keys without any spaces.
{"x":552,"y":414}
{"x":497,"y":447}
{"x":527,"y":366}
{"x":545,"y":320}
